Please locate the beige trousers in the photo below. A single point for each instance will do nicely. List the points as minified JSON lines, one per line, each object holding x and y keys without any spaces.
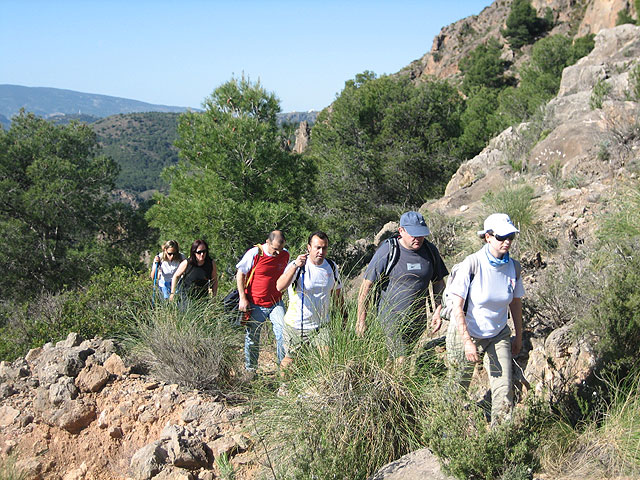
{"x":497,"y":362}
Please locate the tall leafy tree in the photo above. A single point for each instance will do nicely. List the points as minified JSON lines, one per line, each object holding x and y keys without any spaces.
{"x":234,"y":181}
{"x":384,"y":144}
{"x":55,"y":219}
{"x":523,"y":24}
{"x":484,"y":67}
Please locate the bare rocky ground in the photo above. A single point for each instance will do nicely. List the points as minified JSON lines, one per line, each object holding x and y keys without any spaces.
{"x":75,"y":411}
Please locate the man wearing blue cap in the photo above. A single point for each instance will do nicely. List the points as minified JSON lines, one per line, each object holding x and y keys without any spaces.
{"x":402,"y":268}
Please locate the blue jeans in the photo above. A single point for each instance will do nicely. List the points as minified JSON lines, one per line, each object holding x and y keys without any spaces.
{"x":253,"y":328}
{"x":165,"y":288}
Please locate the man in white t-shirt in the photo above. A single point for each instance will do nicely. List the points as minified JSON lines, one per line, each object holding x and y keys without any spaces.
{"x":312,"y":287}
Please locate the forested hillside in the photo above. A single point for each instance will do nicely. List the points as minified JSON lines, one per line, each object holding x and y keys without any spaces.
{"x":142,"y":144}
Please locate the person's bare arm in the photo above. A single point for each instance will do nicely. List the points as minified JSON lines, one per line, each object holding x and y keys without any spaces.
{"x":241,"y":278}
{"x":154,"y":266}
{"x":174,"y":280}
{"x":470,"y":349}
{"x":436,"y":320}
{"x":289,"y":274}
{"x":363,"y":303}
{"x":213,"y":289}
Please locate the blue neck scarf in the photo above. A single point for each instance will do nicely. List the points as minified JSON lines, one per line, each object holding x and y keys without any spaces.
{"x":496,"y":262}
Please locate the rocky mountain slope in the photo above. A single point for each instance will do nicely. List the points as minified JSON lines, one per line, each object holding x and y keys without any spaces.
{"x":455,"y":41}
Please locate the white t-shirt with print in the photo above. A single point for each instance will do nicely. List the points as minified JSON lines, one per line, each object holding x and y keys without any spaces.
{"x":319,"y":281}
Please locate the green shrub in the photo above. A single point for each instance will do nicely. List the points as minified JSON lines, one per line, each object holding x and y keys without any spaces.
{"x":523,"y":24}
{"x":484,"y":67}
{"x":600,"y":91}
{"x":458,"y":433}
{"x":192,"y":344}
{"x":615,"y":320}
{"x":105,"y":307}
{"x":624,"y":17}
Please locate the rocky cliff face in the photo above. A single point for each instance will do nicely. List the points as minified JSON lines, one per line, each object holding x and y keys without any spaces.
{"x":455,"y":41}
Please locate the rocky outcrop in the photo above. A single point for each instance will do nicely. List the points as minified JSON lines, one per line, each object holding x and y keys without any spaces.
{"x":601,"y":14}
{"x":75,"y":410}
{"x":303,"y":136}
{"x":418,"y":465}
{"x":455,"y":41}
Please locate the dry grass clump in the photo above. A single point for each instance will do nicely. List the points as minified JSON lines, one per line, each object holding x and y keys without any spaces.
{"x":565,"y":292}
{"x":605,"y":448}
{"x":194,"y":345}
{"x":515,"y":201}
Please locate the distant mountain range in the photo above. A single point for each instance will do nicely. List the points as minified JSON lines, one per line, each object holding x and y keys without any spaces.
{"x":64,"y":105}
{"x":48,"y":102}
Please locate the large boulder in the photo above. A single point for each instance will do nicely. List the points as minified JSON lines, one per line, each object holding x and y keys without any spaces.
{"x":419,"y":465}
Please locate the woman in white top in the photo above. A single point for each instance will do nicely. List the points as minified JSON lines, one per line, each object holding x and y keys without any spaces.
{"x":168,"y":260}
{"x":490,"y":284}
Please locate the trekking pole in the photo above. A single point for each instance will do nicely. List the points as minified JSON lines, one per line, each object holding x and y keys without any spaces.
{"x":155,"y":281}
{"x":302,"y":305}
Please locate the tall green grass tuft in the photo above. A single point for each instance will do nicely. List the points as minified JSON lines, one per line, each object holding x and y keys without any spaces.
{"x":9,"y":470}
{"x":516,"y":202}
{"x":341,"y":413}
{"x":194,"y":345}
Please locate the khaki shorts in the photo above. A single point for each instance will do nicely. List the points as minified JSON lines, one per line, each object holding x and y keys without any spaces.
{"x":294,"y":338}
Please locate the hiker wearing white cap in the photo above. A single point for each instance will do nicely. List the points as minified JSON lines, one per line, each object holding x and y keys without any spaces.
{"x":401,"y":271}
{"x":487,"y":284}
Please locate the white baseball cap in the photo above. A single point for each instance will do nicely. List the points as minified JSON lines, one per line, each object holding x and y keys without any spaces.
{"x":498,"y":224}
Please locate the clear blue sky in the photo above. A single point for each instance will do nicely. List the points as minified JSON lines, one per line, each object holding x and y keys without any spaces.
{"x":178,"y":52}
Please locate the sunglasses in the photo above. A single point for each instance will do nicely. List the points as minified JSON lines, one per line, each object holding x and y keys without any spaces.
{"x":201,"y":252}
{"x":171,"y":253}
{"x":502,"y":238}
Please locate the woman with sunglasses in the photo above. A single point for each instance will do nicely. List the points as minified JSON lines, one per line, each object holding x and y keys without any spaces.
{"x":166,"y":263}
{"x":486,"y":286}
{"x":199,"y":272}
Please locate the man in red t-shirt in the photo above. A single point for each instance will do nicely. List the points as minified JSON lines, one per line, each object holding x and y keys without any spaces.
{"x":258,"y":271}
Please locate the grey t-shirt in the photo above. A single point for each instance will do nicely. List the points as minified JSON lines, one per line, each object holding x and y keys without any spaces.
{"x":408,"y":280}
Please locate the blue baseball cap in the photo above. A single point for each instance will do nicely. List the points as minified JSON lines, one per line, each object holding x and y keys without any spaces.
{"x":414,"y":224}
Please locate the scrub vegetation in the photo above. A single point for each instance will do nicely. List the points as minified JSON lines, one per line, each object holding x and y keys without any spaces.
{"x":74,"y":260}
